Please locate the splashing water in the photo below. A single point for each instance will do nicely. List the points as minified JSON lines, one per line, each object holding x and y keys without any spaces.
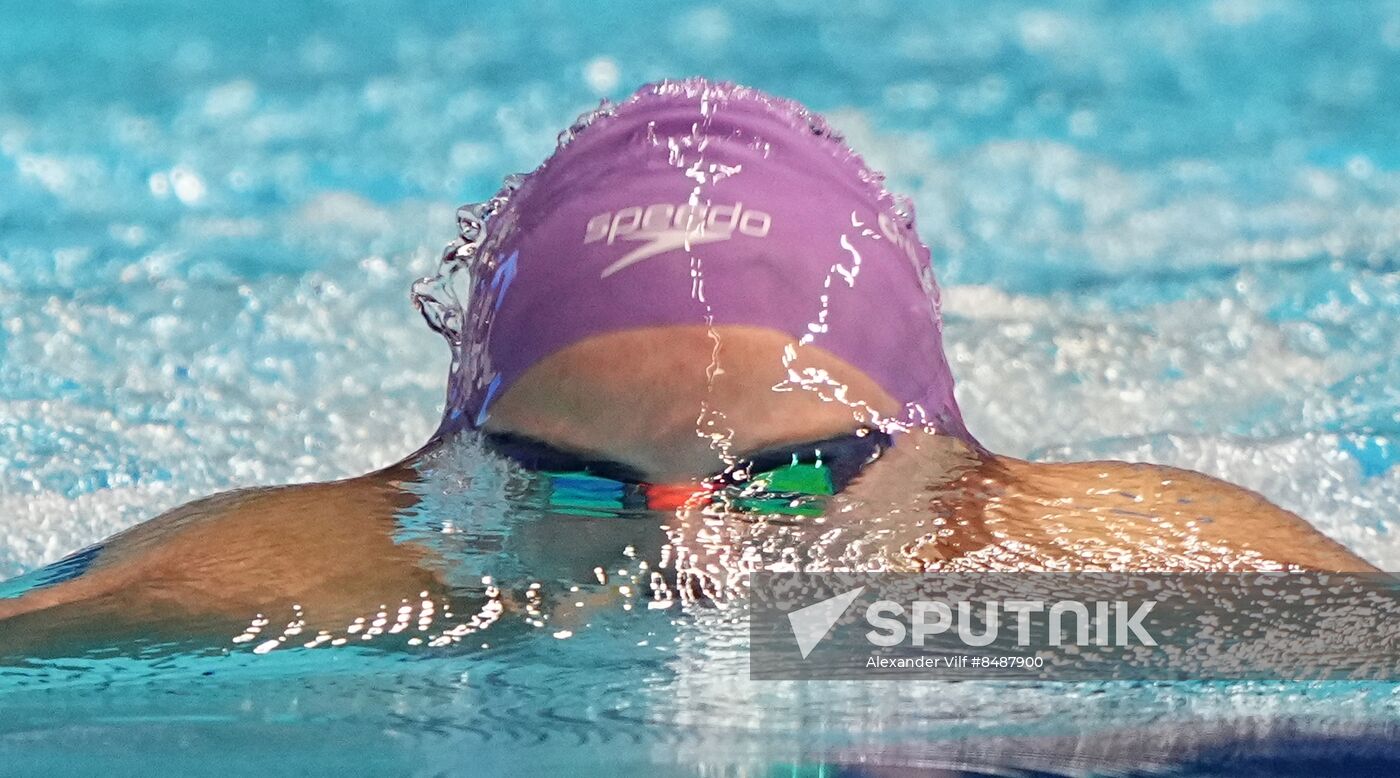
{"x":440,"y":298}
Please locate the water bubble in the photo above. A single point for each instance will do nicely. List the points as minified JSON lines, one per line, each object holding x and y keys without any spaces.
{"x":819,"y":127}
{"x":439,"y":306}
{"x":602,"y":74}
{"x":469,"y":223}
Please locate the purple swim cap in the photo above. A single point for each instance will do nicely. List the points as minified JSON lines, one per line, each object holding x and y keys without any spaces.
{"x":699,"y":203}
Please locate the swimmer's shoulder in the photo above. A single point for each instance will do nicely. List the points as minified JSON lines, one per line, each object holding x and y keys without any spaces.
{"x":122,"y":560}
{"x":1203,"y":515}
{"x":228,"y":547}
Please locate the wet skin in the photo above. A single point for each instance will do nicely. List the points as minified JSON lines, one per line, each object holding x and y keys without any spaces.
{"x":674,"y":402}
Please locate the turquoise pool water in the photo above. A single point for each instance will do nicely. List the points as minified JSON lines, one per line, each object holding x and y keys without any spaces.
{"x":1174,"y":228}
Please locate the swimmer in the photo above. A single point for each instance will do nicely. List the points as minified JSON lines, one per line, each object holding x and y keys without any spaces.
{"x":703,"y":311}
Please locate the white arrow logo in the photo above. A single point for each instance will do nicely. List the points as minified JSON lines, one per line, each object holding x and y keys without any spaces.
{"x":662,"y":242}
{"x":810,"y":624}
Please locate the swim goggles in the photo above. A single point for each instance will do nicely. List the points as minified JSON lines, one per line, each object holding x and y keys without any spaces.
{"x":786,"y":480}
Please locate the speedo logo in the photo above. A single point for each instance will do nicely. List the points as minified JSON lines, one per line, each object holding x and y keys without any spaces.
{"x":663,"y":227}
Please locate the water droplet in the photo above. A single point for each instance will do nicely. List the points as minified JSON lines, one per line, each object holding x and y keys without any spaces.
{"x":904,"y":210}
